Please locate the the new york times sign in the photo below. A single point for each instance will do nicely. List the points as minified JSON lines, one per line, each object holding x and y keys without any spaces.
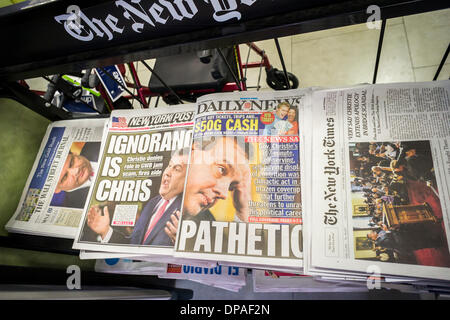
{"x":135,"y":19}
{"x":57,"y":33}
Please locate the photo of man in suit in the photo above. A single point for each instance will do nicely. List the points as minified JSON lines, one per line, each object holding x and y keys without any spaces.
{"x":218,"y":165}
{"x":149,"y":227}
{"x":76,"y":177}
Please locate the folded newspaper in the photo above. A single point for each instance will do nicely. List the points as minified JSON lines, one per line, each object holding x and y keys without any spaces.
{"x":225,"y":277}
{"x":243,"y":195}
{"x":56,"y":190}
{"x":104,"y":255}
{"x":275,"y":281}
{"x":381,"y":181}
{"x":130,"y":266}
{"x":139,"y":184}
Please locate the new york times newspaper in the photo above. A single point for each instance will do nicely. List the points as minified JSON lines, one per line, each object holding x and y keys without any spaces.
{"x":242,"y":202}
{"x":55,"y":193}
{"x":381,"y":180}
{"x":139,"y":184}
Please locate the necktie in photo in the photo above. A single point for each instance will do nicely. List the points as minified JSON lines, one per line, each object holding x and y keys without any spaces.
{"x":155,"y":219}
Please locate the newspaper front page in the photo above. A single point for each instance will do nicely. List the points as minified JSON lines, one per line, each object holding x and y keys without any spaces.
{"x":381,"y":180}
{"x":56,"y":190}
{"x":243,"y":196}
{"x":139,"y":185}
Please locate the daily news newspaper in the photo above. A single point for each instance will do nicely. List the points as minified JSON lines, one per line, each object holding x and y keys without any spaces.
{"x":139,"y":184}
{"x":381,"y":180}
{"x":53,"y":199}
{"x":242,"y":202}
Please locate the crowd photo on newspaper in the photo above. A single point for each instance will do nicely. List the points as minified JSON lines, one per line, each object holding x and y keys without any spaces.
{"x":397,"y":178}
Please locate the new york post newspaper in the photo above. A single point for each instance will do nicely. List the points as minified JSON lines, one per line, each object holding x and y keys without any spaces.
{"x":381,"y":177}
{"x":139,"y":184}
{"x":243,"y":195}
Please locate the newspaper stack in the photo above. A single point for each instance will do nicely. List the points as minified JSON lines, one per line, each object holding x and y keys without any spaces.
{"x":381,"y":183}
{"x":228,"y":167}
{"x":339,"y":184}
{"x":53,"y":199}
{"x":228,"y":278}
{"x":242,"y":204}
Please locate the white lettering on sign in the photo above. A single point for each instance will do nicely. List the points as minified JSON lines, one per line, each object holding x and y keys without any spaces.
{"x":84,"y":28}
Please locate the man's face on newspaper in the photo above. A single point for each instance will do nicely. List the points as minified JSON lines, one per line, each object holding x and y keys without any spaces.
{"x":172,"y":182}
{"x":212,"y":174}
{"x":76,"y":170}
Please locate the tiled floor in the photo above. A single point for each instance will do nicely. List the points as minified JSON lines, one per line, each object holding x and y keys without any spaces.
{"x":413,"y":47}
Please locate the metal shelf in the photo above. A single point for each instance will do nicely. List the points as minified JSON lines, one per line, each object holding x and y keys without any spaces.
{"x":39,"y":45}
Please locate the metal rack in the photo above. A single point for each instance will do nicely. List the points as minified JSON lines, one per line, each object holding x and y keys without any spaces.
{"x":122,"y":32}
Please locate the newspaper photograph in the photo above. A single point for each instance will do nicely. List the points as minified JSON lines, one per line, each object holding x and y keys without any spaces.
{"x":381,"y":180}
{"x":140,"y":181}
{"x":243,"y":196}
{"x":56,"y":191}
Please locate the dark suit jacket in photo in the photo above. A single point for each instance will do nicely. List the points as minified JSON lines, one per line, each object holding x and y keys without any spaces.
{"x":73,"y":199}
{"x":158,"y":236}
